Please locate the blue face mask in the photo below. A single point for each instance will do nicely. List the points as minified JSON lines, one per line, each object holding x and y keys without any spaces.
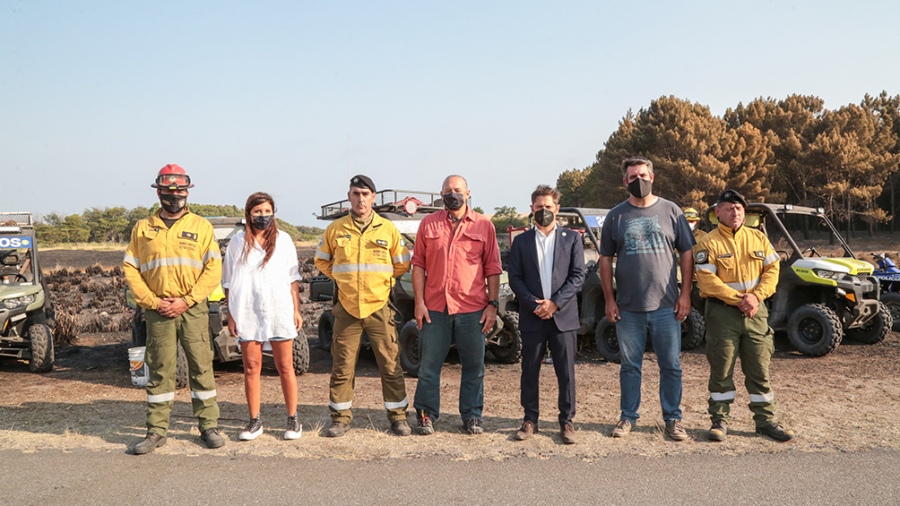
{"x":262,"y":222}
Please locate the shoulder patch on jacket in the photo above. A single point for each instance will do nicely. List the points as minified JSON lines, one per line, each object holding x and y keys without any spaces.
{"x":701,"y":257}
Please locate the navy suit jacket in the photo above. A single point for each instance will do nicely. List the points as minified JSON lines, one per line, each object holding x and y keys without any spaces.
{"x":568,"y":276}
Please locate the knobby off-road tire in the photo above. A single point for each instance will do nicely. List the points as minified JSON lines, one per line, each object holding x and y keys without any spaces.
{"x":606,"y":340}
{"x":326,"y":330}
{"x":876,"y":329}
{"x":814,"y":330}
{"x":301,"y":354}
{"x":693,"y":330}
{"x":181,"y":368}
{"x":509,"y":351}
{"x":42,"y":356}
{"x":892,"y":301}
{"x":409,"y":348}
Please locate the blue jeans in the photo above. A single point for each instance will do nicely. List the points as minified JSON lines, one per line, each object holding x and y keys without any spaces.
{"x":434,"y":343}
{"x":665,"y":334}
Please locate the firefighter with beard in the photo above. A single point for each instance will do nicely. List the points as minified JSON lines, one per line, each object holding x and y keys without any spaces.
{"x":172,"y":265}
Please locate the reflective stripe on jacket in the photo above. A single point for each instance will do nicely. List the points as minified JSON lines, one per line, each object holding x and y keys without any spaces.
{"x":730,"y":263}
{"x":362,"y":264}
{"x":183,"y":261}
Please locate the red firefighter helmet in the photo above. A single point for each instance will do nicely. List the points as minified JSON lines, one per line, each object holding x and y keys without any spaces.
{"x":172,"y":177}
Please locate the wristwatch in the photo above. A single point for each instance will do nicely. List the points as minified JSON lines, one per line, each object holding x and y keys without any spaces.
{"x":494,"y":303}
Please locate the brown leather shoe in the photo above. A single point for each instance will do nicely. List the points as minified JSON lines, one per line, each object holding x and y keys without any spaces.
{"x":567,"y":432}
{"x":528,"y":429}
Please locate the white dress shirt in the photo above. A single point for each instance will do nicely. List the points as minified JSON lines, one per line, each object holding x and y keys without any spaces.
{"x":546,"y":244}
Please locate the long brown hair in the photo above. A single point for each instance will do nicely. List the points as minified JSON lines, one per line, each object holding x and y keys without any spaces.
{"x":269,"y":235}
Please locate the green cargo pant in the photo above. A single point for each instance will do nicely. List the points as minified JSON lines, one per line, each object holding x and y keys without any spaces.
{"x":730,"y":335}
{"x":379,"y":326}
{"x":163,"y":334}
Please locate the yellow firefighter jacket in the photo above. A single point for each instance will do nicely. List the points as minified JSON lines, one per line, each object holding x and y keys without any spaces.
{"x":729,"y":263}
{"x":183,"y":261}
{"x":362,"y":264}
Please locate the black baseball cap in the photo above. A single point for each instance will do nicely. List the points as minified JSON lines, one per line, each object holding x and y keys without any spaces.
{"x":360,"y":181}
{"x":732,"y":196}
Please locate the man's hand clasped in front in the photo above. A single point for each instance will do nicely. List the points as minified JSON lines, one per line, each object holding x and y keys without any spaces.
{"x":171,"y":307}
{"x":546,"y":309}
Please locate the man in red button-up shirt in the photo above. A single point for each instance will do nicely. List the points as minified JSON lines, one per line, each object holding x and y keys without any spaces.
{"x":456,"y":280}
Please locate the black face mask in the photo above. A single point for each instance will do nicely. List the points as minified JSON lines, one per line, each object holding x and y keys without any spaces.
{"x":544,"y":217}
{"x":262,"y":222}
{"x":453,"y":201}
{"x":640,"y":188}
{"x":173,"y":204}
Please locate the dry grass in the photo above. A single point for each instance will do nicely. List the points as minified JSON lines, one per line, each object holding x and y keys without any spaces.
{"x":846,"y":402}
{"x":85,"y":246}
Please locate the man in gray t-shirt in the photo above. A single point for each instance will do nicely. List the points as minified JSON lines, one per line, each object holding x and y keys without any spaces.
{"x":644,"y":233}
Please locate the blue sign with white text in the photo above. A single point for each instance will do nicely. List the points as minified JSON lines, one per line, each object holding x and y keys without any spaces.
{"x":16,"y":242}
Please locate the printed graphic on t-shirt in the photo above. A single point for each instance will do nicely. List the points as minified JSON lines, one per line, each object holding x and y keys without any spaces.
{"x":643,"y":236}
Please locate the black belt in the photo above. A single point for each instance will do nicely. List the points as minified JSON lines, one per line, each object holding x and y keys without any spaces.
{"x":717,"y":301}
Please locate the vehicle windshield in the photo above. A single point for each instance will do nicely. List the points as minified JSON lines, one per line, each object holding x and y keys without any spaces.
{"x":812,"y":233}
{"x":16,"y":267}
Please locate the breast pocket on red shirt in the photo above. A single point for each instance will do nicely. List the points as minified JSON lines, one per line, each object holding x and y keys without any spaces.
{"x":473,"y":246}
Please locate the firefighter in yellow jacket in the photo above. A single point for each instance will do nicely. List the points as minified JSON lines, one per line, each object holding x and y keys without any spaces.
{"x":737,"y":270}
{"x":363,"y":253}
{"x":693,"y":219}
{"x":172,"y":265}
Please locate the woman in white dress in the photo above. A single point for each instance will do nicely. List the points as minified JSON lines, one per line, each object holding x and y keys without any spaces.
{"x":261,"y":279}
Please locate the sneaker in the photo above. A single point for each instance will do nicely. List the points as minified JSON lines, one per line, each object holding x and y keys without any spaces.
{"x":213,"y":438}
{"x":150,"y":443}
{"x":622,"y":428}
{"x":337,"y":429}
{"x":294,"y":430}
{"x":718,"y":430}
{"x":474,"y":427}
{"x":567,"y":432}
{"x":401,"y":428}
{"x":777,"y":432}
{"x":424,"y":427}
{"x":675,"y":430}
{"x":528,"y":429}
{"x":252,"y":430}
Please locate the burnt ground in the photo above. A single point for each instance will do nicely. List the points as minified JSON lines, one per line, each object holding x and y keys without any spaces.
{"x":846,"y":401}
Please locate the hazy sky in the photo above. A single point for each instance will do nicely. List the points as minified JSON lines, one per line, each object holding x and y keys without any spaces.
{"x":294,"y":98}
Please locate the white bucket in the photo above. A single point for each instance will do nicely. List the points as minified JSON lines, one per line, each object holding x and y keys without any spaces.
{"x":138,"y":367}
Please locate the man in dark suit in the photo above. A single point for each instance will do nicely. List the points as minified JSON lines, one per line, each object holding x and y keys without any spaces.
{"x":546,"y":270}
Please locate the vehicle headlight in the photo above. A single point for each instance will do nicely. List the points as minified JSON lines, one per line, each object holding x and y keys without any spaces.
{"x":18,"y":301}
{"x":822,"y":273}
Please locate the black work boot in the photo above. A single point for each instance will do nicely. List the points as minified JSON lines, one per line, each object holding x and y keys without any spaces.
{"x":777,"y":432}
{"x":150,"y":443}
{"x":212,"y":438}
{"x":337,"y":429}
